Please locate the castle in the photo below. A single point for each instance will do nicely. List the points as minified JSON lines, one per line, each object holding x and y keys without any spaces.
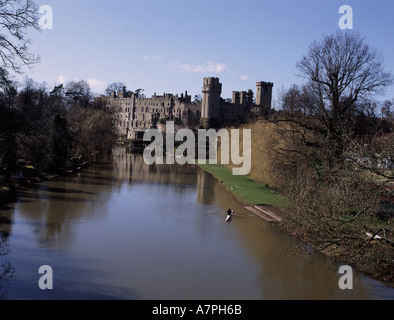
{"x":136,"y":113}
{"x":216,"y":112}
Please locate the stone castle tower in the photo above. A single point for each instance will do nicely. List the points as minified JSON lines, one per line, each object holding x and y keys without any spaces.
{"x":210,"y":110}
{"x":264,"y":94}
{"x":214,"y":111}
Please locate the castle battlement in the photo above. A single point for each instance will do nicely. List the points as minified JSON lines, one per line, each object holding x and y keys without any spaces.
{"x":264,"y":94}
{"x":138,"y":113}
{"x":264,"y":84}
{"x":211,"y":84}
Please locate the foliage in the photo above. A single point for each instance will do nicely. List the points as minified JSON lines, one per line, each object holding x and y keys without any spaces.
{"x":47,"y":127}
{"x":329,"y":150}
{"x":339,"y":153}
{"x":341,"y":71}
{"x":114,"y":87}
{"x":93,"y":130}
{"x":16,"y":17}
{"x":10,"y":123}
{"x":60,"y":141}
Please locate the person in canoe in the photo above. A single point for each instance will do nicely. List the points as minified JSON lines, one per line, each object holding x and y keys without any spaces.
{"x":229,"y":214}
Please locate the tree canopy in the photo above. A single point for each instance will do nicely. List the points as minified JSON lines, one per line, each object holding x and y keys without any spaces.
{"x":16,"y":17}
{"x":341,"y":70}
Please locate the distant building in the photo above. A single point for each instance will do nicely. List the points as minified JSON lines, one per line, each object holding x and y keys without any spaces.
{"x":215,"y":112}
{"x":136,"y":113}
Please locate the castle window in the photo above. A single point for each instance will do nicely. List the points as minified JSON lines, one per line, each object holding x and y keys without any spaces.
{"x":142,"y":109}
{"x":147,"y":109}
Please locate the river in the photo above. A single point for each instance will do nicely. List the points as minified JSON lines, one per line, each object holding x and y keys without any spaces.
{"x":126,"y":230}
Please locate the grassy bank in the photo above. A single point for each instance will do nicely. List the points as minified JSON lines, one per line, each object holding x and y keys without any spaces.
{"x":334,"y":209}
{"x":245,"y":188}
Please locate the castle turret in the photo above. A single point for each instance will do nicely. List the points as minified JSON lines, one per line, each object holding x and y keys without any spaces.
{"x":264,"y":94}
{"x":211,"y":92}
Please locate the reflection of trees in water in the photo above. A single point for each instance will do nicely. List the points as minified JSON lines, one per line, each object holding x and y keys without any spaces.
{"x":205,"y":188}
{"x":6,"y":269}
{"x":132,"y":167}
{"x":53,"y":209}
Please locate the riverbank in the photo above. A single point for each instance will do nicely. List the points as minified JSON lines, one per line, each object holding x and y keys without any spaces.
{"x":7,"y":192}
{"x":252,"y":193}
{"x":246,"y":190}
{"x":176,"y":229}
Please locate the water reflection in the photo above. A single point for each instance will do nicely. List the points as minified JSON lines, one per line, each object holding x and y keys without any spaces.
{"x":126,"y":230}
{"x":7,"y":270}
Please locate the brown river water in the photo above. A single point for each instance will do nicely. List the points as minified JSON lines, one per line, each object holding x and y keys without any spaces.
{"x":126,"y":230}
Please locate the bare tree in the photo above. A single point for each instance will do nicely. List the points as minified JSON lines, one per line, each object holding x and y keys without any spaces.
{"x":115,"y":86}
{"x":387,"y":110}
{"x":139,"y":93}
{"x":342,"y":70}
{"x":93,"y":131}
{"x":78,"y":93}
{"x":197,"y":99}
{"x":16,"y":17}
{"x":10,"y":124}
{"x":336,"y":153}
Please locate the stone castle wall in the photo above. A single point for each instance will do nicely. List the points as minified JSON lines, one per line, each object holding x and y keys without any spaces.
{"x":137,"y":113}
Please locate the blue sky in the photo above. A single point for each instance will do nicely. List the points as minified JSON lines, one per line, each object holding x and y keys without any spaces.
{"x":170,"y":45}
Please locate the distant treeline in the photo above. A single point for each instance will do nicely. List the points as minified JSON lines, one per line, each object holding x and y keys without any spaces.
{"x":50,"y":127}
